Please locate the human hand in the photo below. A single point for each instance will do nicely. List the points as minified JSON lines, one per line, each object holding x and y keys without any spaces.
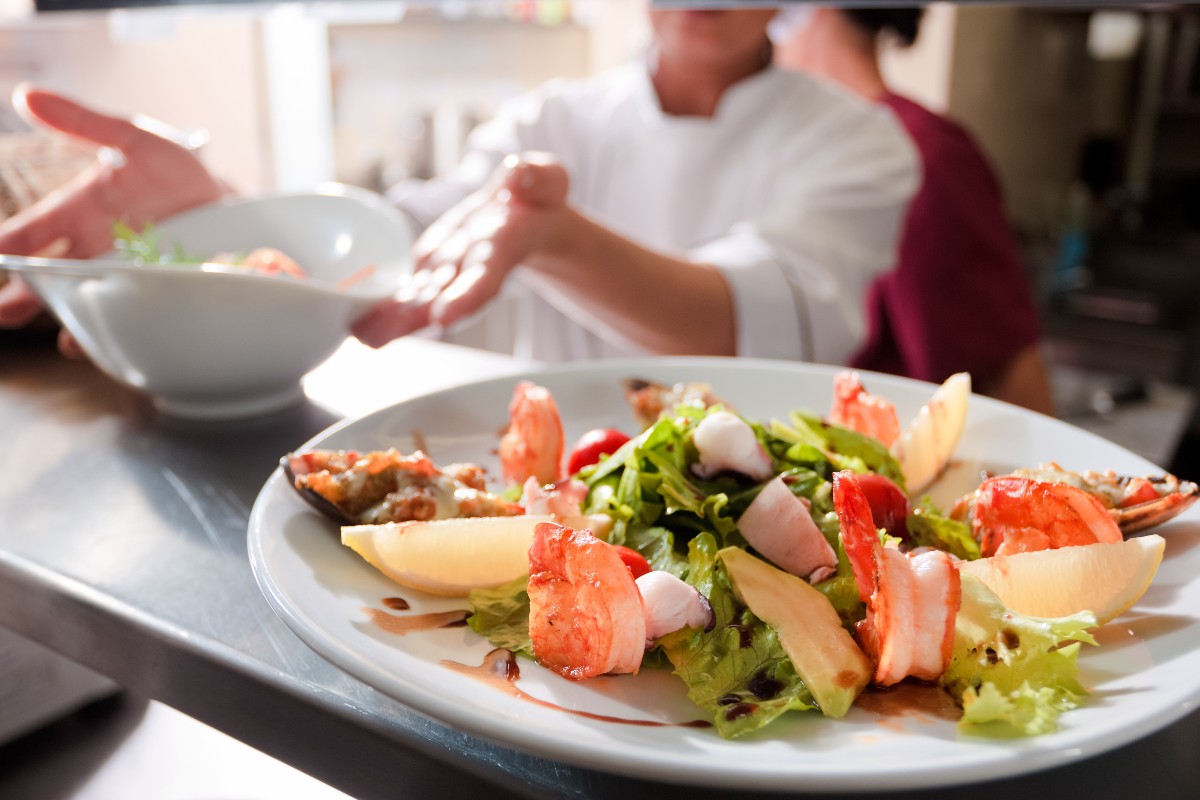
{"x":140,"y":177}
{"x":462,"y":259}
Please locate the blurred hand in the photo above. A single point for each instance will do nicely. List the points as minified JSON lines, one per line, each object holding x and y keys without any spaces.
{"x":141,"y":177}
{"x":461,"y":260}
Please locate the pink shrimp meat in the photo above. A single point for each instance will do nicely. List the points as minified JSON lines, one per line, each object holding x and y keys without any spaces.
{"x":1013,"y":514}
{"x":859,"y":410}
{"x":912,"y":601}
{"x":534,"y":444}
{"x":586,"y":616}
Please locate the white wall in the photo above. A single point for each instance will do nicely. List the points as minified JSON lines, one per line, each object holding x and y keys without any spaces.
{"x":187,"y":69}
{"x":398,"y":89}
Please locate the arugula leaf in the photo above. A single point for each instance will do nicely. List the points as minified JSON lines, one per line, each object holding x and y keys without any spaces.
{"x":813,"y":440}
{"x":645,"y":484}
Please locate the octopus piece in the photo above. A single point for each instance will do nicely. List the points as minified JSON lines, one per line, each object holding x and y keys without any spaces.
{"x":726,"y":443}
{"x":779,"y":525}
{"x":670,"y":604}
{"x":564,"y":501}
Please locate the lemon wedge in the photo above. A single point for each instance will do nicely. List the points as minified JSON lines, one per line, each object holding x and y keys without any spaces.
{"x":450,"y":556}
{"x":1105,"y":578}
{"x":926,"y":445}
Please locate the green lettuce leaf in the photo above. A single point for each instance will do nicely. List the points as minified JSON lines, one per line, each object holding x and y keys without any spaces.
{"x":1013,"y":674}
{"x":657,"y":545}
{"x":928,"y":528}
{"x":501,"y":615}
{"x":738,"y":672}
{"x":146,"y":247}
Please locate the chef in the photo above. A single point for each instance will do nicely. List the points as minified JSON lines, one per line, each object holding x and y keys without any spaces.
{"x":698,"y":201}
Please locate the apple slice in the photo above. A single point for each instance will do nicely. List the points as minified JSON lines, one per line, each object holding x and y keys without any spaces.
{"x":826,"y":657}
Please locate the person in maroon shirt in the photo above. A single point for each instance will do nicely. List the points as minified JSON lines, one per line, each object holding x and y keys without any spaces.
{"x":958,"y":299}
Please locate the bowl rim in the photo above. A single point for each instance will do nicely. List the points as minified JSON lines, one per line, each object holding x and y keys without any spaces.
{"x":34,"y":268}
{"x":108,"y":265}
{"x":372,"y":200}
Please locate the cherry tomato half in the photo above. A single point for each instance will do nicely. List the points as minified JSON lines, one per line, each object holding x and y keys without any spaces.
{"x":889,"y":505}
{"x":592,"y":445}
{"x":637,"y":563}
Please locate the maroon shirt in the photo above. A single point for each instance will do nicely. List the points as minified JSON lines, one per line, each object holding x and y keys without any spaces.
{"x":959,"y":298}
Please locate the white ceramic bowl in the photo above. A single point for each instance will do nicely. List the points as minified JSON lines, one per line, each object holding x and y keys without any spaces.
{"x":210,"y":343}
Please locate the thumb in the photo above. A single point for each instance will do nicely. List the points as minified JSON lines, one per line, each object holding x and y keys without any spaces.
{"x":51,"y":110}
{"x":537,"y":181}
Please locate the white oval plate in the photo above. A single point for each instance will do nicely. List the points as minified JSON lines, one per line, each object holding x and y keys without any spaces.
{"x":1145,"y":675}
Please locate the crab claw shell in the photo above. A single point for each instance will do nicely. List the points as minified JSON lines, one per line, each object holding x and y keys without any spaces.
{"x":1177,"y":497}
{"x":649,"y":399}
{"x":293,"y":464}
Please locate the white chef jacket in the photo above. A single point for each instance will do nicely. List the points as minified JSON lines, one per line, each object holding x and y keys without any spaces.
{"x":794,"y":189}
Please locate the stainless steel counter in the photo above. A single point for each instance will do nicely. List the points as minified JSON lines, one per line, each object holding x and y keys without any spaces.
{"x":123,"y":547}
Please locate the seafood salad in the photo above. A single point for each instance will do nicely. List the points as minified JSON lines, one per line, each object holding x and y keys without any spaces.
{"x":778,"y":565}
{"x":145,"y":248}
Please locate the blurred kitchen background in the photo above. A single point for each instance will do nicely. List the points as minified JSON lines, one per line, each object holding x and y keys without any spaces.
{"x":1091,"y":118}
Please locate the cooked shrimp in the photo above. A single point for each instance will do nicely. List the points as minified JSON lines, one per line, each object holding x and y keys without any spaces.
{"x":564,"y":501}
{"x":269,"y":261}
{"x":1136,"y":503}
{"x":533,"y":446}
{"x":1014,"y":514}
{"x":585,"y":611}
{"x":911,"y":600}
{"x":859,"y":410}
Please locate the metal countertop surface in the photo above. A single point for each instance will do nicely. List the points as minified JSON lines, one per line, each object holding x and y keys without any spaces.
{"x":123,"y":547}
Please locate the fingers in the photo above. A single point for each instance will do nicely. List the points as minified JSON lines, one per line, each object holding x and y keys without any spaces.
{"x":537,"y":182}
{"x":447,"y":225}
{"x":18,"y":304}
{"x":68,"y":345}
{"x":54,"y":111}
{"x":72,"y":214}
{"x":57,"y":248}
{"x":390,"y":320}
{"x":477,"y":283}
{"x":408,"y":310}
{"x":462,"y":260}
